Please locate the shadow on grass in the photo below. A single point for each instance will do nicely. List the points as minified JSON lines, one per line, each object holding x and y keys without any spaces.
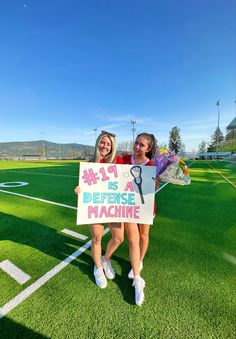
{"x":122,"y":281}
{"x":10,"y":329}
{"x":124,"y":284}
{"x":35,"y":235}
{"x":47,"y":240}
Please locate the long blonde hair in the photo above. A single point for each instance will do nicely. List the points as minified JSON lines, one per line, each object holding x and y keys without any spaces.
{"x":111,"y":156}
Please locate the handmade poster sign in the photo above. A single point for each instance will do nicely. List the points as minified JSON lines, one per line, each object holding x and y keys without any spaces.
{"x":115,"y":193}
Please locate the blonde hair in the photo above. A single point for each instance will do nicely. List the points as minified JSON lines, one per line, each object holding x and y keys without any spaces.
{"x":111,"y":156}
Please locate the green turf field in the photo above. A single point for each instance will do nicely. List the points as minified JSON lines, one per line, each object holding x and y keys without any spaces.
{"x":189,"y":268}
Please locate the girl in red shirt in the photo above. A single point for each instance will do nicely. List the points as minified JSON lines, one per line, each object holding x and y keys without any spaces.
{"x":105,"y":152}
{"x":144,"y":149}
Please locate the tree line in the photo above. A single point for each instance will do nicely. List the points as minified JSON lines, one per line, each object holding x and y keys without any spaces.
{"x":219,"y":142}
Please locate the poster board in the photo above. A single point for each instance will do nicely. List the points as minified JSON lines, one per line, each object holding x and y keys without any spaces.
{"x":115,"y":193}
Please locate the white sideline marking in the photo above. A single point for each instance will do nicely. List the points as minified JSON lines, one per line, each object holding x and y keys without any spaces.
{"x":160,"y":188}
{"x":14,"y":271}
{"x":38,"y":199}
{"x":222,"y":175}
{"x":74,"y":234}
{"x":230,"y":258}
{"x":41,"y":281}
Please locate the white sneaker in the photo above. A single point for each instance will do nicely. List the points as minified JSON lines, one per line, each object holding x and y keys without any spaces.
{"x":108,"y":269}
{"x":100,"y":278}
{"x":131,"y":272}
{"x":139,"y":285}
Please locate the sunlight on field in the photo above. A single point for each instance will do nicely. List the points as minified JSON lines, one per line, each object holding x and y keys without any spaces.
{"x":197,"y":179}
{"x":34,"y":164}
{"x":200,"y":171}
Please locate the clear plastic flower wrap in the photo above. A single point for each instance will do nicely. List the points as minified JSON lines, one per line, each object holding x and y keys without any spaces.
{"x":170,"y":168}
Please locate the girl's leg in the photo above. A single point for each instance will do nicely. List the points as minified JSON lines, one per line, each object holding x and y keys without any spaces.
{"x":117,"y":237}
{"x":138,"y":283}
{"x":132,"y":232}
{"x":144,"y":239}
{"x":96,"y":247}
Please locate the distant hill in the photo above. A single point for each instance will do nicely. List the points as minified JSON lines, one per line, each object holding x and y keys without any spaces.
{"x":44,"y":149}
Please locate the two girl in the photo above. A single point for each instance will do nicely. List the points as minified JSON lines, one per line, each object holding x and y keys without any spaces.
{"x":138,"y":234}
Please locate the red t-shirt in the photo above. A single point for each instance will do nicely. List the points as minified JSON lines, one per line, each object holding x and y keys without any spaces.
{"x":118,"y":160}
{"x":127,"y":160}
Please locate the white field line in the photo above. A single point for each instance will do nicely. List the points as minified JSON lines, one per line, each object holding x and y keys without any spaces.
{"x":41,"y":281}
{"x":38,"y":173}
{"x":14,"y":271}
{"x":222,"y":175}
{"x":38,"y":199}
{"x":160,"y":188}
{"x":229,"y":258}
{"x":74,"y":234}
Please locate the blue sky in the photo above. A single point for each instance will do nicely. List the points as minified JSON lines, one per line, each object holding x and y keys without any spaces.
{"x":70,"y":67}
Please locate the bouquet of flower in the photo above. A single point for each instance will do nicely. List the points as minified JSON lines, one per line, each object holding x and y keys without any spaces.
{"x":170,"y":168}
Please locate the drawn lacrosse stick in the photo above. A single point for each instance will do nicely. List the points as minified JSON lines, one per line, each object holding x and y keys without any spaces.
{"x":136,"y":173}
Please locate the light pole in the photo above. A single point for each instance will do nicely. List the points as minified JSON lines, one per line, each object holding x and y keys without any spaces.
{"x":218,"y":129}
{"x":44,"y":148}
{"x":133,"y":122}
